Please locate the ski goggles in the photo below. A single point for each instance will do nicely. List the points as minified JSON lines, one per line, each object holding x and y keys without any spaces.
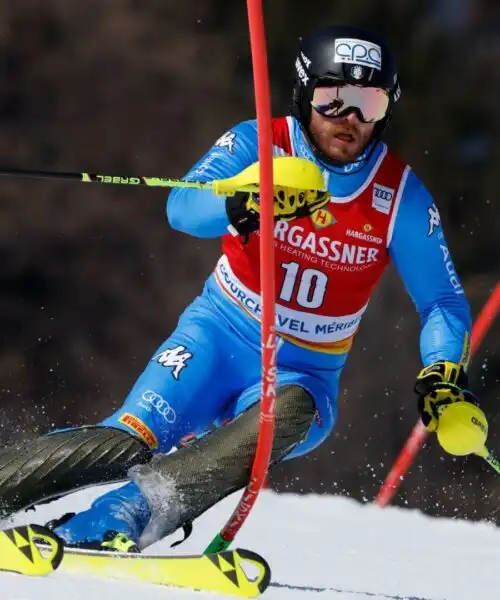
{"x":370,"y":103}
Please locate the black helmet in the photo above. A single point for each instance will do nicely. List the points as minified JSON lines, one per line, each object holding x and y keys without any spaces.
{"x":348,"y":55}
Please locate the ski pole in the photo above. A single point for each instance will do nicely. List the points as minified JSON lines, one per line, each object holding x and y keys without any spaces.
{"x":288,"y":171}
{"x":135,"y":180}
{"x":490,"y":459}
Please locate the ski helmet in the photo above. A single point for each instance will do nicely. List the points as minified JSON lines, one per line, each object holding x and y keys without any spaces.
{"x":339,"y":55}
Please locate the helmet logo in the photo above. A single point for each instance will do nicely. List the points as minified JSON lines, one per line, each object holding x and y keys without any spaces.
{"x":397,"y":93}
{"x":358,"y":52}
{"x":357,"y":72}
{"x":301,"y":72}
{"x":305,"y":60}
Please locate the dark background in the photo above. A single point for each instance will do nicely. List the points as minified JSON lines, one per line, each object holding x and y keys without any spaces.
{"x":92,"y":278}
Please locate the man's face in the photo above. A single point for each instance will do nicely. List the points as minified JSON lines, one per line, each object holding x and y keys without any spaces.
{"x":341,"y":139}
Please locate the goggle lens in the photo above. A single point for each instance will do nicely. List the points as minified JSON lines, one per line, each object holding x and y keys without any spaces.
{"x":371,"y":103}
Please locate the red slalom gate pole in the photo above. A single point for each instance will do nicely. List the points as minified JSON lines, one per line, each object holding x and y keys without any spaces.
{"x":267,"y":283}
{"x":419,"y":433}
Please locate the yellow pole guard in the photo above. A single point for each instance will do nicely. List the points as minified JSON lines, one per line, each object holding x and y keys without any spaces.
{"x":288,"y":171}
{"x":462,"y":429}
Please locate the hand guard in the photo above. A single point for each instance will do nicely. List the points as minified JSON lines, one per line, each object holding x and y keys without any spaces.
{"x":438,"y":385}
{"x":243,"y":209}
{"x":291,"y":203}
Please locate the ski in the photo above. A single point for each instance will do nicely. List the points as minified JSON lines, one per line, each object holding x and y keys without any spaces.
{"x":20,"y":550}
{"x":35,"y":550}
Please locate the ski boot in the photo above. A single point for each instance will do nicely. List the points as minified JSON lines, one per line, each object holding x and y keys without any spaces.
{"x":111,"y":541}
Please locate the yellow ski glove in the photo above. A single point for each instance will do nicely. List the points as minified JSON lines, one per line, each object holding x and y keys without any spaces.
{"x":438,"y":385}
{"x":450,"y":410}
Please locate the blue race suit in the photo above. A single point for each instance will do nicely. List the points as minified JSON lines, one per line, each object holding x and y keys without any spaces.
{"x":209,"y":369}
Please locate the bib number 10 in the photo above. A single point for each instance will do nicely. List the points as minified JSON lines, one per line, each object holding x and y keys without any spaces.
{"x":311,"y":289}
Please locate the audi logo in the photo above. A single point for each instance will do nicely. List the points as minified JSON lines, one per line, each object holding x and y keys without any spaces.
{"x":382,"y":194}
{"x":160,"y":405}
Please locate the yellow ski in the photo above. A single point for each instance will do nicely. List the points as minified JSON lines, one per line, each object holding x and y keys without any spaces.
{"x":239,"y":573}
{"x":35,"y":550}
{"x":20,"y":550}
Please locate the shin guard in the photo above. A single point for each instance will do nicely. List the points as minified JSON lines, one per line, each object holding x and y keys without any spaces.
{"x":59,"y":463}
{"x":182,"y":485}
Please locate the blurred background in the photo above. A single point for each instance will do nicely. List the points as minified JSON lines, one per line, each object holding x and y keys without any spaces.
{"x":92,"y":278}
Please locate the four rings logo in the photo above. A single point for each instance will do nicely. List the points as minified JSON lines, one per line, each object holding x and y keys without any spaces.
{"x":358,"y":52}
{"x":150,"y":399}
{"x":382,"y":198}
{"x":383,"y":193}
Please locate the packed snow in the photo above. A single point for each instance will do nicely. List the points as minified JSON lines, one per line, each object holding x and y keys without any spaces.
{"x":318,"y":547}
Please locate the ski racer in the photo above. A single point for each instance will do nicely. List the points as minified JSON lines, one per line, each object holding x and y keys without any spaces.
{"x":199,"y":393}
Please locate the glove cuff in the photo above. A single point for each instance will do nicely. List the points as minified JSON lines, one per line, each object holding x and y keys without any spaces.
{"x":441,"y":372}
{"x":243,"y":219}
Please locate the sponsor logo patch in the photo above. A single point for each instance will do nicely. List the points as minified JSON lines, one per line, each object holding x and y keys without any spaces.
{"x":174,"y":357}
{"x":450,"y":269}
{"x":322,"y":218}
{"x":305,"y":60}
{"x":301,"y":72}
{"x":434,"y":219}
{"x":227,"y":140}
{"x":382,"y":198}
{"x":310,"y":246}
{"x":397,"y":93}
{"x":358,"y":52}
{"x":151,"y":399}
{"x":357,"y":72}
{"x":363,"y":235}
{"x":142,"y":430}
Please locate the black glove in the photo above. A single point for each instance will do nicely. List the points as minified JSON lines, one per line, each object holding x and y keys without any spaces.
{"x":289,"y":203}
{"x":245,"y":219}
{"x":437,"y":385}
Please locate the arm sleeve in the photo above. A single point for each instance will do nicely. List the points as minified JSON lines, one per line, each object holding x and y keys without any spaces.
{"x":200,"y":212}
{"x":422,"y":258}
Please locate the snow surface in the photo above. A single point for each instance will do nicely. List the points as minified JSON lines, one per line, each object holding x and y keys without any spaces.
{"x":320,"y":547}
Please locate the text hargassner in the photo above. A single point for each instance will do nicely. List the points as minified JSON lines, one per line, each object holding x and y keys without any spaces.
{"x":325,"y":247}
{"x":359,"y":52}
